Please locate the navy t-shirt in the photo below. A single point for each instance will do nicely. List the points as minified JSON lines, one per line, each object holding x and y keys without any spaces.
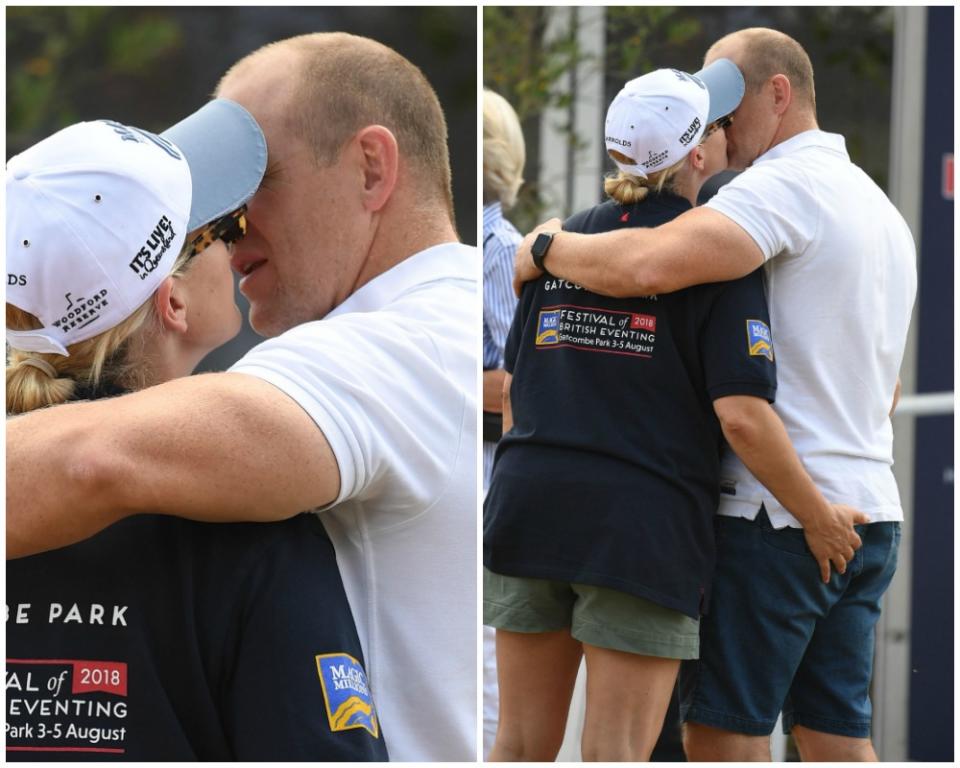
{"x":610,"y":474}
{"x":167,"y":639}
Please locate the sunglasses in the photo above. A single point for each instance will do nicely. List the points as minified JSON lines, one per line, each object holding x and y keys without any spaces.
{"x":716,"y":125}
{"x":229,"y":228}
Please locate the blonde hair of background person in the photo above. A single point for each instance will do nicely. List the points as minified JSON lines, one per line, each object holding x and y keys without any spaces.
{"x":504,"y":152}
{"x":115,"y":356}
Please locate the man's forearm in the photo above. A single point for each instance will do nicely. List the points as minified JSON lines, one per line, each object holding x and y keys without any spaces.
{"x":51,"y":485}
{"x":701,"y":246}
{"x":610,"y":263}
{"x":220,"y":447}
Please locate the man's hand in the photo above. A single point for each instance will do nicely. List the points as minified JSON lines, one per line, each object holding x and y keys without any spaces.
{"x":524,"y":270}
{"x":831,"y":538}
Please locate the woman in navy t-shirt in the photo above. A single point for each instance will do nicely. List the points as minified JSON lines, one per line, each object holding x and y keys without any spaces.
{"x":598,"y":534}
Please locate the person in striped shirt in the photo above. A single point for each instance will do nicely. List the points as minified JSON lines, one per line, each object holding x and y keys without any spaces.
{"x":504,"y":154}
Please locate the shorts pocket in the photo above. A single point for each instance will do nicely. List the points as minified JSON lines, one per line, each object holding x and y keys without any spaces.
{"x":787,"y":539}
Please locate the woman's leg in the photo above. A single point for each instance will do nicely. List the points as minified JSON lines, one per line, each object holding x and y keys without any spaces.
{"x":627,"y":698}
{"x":536,"y":673}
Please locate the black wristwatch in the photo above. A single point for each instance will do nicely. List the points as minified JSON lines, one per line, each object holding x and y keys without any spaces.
{"x":540,"y":247}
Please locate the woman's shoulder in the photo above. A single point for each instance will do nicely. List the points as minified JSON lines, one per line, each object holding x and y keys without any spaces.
{"x":599,"y":218}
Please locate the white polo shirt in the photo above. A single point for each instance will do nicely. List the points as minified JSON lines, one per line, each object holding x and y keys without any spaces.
{"x":841,"y":281}
{"x":390,"y":377}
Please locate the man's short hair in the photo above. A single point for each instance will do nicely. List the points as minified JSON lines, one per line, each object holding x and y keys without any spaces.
{"x":767,"y":52}
{"x":504,"y":152}
{"x":345,"y":82}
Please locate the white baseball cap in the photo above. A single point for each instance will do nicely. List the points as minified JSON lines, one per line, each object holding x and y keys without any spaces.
{"x":98,"y":213}
{"x":658,"y":118}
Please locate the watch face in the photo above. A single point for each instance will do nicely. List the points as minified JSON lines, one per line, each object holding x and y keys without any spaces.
{"x":540,"y":244}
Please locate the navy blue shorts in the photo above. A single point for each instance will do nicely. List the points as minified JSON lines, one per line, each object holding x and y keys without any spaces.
{"x":778,"y":638}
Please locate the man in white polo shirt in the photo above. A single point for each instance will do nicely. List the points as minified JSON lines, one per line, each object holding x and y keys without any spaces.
{"x":362,"y":402}
{"x":840,"y":267}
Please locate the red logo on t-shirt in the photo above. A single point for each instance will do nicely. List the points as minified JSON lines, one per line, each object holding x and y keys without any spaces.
{"x":106,"y":676}
{"x":643,"y":322}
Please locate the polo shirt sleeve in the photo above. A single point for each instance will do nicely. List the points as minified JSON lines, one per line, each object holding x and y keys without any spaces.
{"x":774,"y":203}
{"x":377,"y":387}
{"x":736,"y":344}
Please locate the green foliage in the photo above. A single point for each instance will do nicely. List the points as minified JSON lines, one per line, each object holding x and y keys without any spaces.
{"x":529,"y":72}
{"x":520,"y":65}
{"x":132,"y":49}
{"x":850,"y":47}
{"x":642,"y":38}
{"x":52,"y":51}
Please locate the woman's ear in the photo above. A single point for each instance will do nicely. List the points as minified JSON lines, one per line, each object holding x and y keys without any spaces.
{"x":171,"y":305}
{"x":380,"y":160}
{"x":697,"y":158}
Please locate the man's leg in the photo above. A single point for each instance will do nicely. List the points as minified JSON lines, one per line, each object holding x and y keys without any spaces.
{"x":536,"y":673}
{"x":828,"y":709}
{"x":818,"y":747}
{"x":703,"y":743}
{"x":766,"y":602}
{"x":627,"y":698}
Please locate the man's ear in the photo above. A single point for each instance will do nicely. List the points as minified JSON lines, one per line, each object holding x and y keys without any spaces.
{"x":782,"y":93}
{"x":380,"y":160}
{"x":171,"y":305}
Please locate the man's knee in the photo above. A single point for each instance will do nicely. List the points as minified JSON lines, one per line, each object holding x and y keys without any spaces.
{"x":704,"y":743}
{"x":817,"y":746}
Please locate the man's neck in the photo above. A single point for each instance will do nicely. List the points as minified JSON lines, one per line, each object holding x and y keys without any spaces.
{"x":399,"y":237}
{"x":793,"y":125}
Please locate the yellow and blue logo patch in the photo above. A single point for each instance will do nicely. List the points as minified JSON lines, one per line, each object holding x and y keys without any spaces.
{"x":346,"y":693}
{"x":759,"y":339}
{"x":548,"y":327}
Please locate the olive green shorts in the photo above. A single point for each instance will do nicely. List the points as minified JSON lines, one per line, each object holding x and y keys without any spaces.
{"x":606,"y":618}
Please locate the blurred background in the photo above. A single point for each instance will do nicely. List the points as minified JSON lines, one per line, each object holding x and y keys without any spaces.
{"x":884,"y":79}
{"x":151,"y":66}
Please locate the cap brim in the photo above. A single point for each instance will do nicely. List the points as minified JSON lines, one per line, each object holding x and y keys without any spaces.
{"x":725,"y":85}
{"x":227,"y":155}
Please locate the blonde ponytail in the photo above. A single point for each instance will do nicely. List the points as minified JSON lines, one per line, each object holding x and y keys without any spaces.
{"x":115,"y":357}
{"x":102,"y":358}
{"x":628,"y":189}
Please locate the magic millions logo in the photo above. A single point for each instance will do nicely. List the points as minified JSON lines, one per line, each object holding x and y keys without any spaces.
{"x":548,"y":328}
{"x":759,"y":340}
{"x":346,"y":693}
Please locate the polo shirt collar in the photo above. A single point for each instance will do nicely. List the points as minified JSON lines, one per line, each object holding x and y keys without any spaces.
{"x":447,"y":261}
{"x":814,"y":138}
